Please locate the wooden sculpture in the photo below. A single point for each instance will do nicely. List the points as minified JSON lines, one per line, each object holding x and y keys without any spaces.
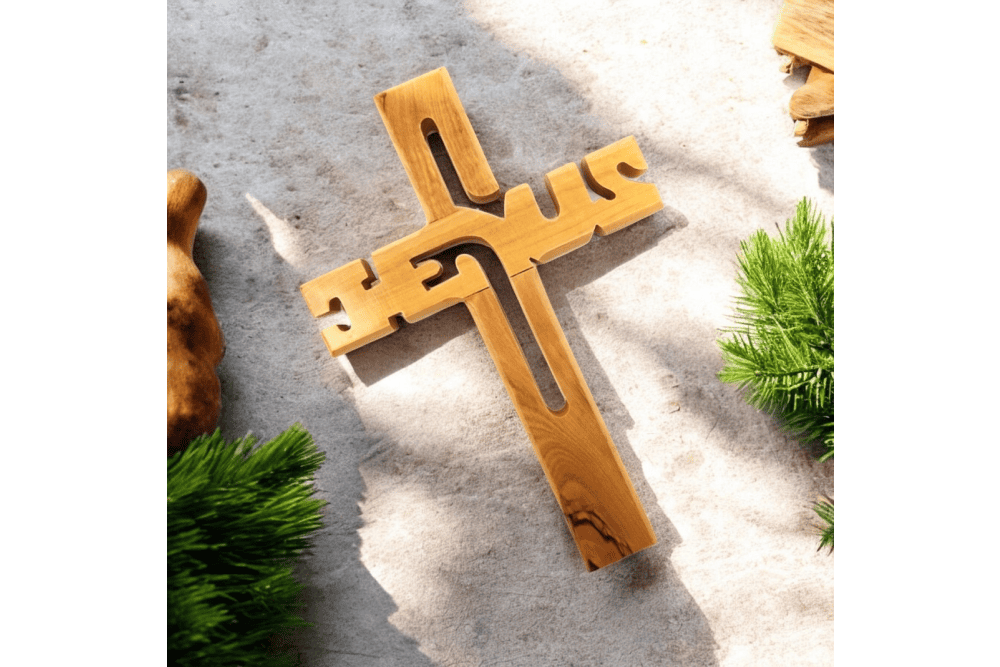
{"x":194,"y":340}
{"x":580,"y":461}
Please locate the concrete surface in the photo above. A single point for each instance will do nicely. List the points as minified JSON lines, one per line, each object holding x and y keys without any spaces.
{"x":443,"y":544}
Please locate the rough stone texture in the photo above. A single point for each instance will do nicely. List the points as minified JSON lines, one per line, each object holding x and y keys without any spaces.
{"x":443,"y":544}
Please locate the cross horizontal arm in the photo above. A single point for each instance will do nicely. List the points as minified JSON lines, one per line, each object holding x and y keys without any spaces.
{"x":521,"y":239}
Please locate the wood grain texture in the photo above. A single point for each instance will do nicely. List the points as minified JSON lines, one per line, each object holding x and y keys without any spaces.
{"x":573,"y":445}
{"x":579,"y":457}
{"x":805,"y":30}
{"x":418,"y":108}
{"x":815,"y":98}
{"x":195,"y":344}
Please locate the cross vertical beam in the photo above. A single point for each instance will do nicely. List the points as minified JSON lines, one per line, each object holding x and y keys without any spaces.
{"x":581,"y":463}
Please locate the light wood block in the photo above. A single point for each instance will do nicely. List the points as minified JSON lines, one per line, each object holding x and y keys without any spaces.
{"x":576,"y":451}
{"x":815,"y":98}
{"x":805,"y":34}
{"x":805,"y":30}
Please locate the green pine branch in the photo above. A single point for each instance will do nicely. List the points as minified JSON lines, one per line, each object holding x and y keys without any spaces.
{"x":237,"y":520}
{"x":780,"y":350}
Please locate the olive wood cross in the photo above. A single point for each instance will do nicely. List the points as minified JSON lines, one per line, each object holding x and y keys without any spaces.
{"x":576,"y":451}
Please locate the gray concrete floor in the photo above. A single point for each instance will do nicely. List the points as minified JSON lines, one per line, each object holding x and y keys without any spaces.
{"x":443,"y":544}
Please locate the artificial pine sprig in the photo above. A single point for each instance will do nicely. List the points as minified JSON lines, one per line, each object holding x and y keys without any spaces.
{"x":237,"y":520}
{"x":781,"y":349}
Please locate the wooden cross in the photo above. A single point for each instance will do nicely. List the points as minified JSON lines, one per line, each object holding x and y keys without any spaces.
{"x":583,"y":468}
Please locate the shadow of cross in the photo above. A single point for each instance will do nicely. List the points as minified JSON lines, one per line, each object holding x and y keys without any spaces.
{"x":576,"y":451}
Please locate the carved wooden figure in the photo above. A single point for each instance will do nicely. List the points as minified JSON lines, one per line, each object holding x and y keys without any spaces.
{"x":573,"y":445}
{"x":195,"y":344}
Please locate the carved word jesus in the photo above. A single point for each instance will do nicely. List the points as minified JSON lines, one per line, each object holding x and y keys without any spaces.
{"x":583,"y":468}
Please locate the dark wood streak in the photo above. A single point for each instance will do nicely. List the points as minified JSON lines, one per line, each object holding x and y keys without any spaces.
{"x":579,"y":521}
